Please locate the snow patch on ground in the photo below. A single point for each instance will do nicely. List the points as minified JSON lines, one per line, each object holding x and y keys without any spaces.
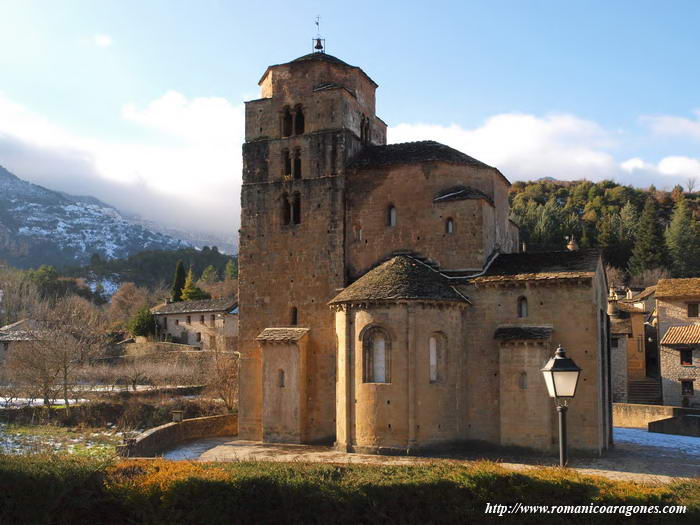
{"x":684,"y":444}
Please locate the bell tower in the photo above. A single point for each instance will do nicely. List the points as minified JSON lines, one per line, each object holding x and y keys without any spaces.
{"x":314,"y":113}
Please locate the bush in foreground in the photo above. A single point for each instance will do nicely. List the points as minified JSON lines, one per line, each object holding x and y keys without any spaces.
{"x":40,"y":489}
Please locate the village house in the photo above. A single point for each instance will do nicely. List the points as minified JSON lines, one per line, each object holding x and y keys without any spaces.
{"x":210,"y":324}
{"x":634,"y":348}
{"x":18,"y":332}
{"x":384,"y":303}
{"x":678,"y":311}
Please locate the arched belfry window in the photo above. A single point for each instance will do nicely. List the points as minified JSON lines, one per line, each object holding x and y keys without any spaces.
{"x":437,"y":357}
{"x":287,"y":122}
{"x":297,"y":163}
{"x":298,"y":121}
{"x":296,"y":208}
{"x":286,"y":164}
{"x":522,"y":306}
{"x":391,"y":215}
{"x":286,"y":210}
{"x":376,"y":352}
{"x":449,"y":225}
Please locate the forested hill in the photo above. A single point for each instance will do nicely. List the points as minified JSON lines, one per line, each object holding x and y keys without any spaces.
{"x":638,"y":230}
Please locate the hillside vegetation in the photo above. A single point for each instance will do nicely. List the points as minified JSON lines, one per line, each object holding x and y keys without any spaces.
{"x":638,"y":230}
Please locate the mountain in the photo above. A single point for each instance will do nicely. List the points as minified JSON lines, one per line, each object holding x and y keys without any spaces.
{"x":40,"y":226}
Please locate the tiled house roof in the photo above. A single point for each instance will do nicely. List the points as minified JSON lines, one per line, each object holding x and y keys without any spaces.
{"x":682,"y":335}
{"x":678,"y":287}
{"x":401,"y":277}
{"x":282,"y":335}
{"x":541,"y":266}
{"x":411,"y":153}
{"x":186,"y":307}
{"x":620,"y":326}
{"x":509,"y":333}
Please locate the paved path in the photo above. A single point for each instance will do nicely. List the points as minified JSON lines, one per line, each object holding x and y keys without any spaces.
{"x":637,"y":456}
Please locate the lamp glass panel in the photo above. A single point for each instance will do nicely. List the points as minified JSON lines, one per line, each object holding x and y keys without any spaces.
{"x":550,"y":383}
{"x":565,"y":383}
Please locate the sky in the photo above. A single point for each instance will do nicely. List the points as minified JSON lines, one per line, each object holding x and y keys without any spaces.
{"x":140,"y":102}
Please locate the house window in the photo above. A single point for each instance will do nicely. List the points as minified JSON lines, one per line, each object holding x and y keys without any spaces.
{"x":201,"y":319}
{"x":686,"y":357}
{"x":280,"y":378}
{"x":213,"y":319}
{"x":165,"y":323}
{"x":391,"y":215}
{"x":614,"y":342}
{"x":376,"y":347}
{"x":299,"y":121}
{"x":189,"y":319}
{"x":287,"y":122}
{"x":687,"y":387}
{"x":177,"y":322}
{"x":449,"y":226}
{"x":436,"y":358}
{"x":199,"y":337}
{"x":692,"y":309}
{"x":294,"y":316}
{"x":522,"y":307}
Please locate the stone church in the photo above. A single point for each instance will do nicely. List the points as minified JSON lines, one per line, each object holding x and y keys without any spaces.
{"x":384,"y":304}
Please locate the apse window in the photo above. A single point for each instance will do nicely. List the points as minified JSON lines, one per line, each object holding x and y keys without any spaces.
{"x":391,"y":216}
{"x":686,"y":358}
{"x":436,"y":358}
{"x":377,"y":356}
{"x":449,"y":226}
{"x":522,"y":307}
{"x":693,"y":309}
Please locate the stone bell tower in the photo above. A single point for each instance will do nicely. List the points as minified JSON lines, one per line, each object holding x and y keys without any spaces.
{"x":314,"y":113}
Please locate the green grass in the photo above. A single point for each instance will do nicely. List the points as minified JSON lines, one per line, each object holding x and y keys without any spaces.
{"x":56,"y":439}
{"x":45,"y":489}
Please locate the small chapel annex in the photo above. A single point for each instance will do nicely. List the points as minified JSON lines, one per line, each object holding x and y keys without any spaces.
{"x":384,"y":305}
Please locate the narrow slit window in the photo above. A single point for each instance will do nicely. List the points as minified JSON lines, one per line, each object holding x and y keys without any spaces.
{"x":391,"y":216}
{"x":522,"y":307}
{"x":522,"y":381}
{"x":377,"y":356}
{"x":297,"y":164}
{"x":280,"y":378}
{"x":449,"y":226}
{"x":294,"y":316}
{"x":433,"y":359}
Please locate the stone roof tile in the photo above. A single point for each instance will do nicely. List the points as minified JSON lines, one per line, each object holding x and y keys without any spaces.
{"x":689,"y":287}
{"x":541,"y":266}
{"x":411,"y":153}
{"x":282,"y":334}
{"x":511,"y":332}
{"x":186,"y":307}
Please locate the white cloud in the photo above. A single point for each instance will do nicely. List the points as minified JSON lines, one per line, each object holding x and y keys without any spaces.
{"x":675,"y":126}
{"x":192,"y":182}
{"x":102,"y":40}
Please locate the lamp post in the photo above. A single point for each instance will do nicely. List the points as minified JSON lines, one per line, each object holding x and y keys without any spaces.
{"x":561,"y":376}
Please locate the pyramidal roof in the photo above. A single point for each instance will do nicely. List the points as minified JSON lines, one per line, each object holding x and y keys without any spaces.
{"x":400,"y":278}
{"x":318,"y":57}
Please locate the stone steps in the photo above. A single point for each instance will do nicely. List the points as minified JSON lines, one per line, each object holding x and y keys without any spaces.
{"x":645,"y":392}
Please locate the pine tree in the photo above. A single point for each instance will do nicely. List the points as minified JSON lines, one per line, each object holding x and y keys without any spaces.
{"x":683,"y":241}
{"x":191,"y":292}
{"x":143,"y":323}
{"x":609,"y":240}
{"x":178,"y":281}
{"x":209,"y":275}
{"x":649,"y":248}
{"x":231,"y":271}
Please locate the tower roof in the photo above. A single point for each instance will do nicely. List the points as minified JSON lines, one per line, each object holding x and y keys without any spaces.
{"x":400,"y":278}
{"x":318,"y":57}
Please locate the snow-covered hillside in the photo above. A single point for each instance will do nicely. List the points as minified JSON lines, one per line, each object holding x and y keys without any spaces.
{"x":40,"y":226}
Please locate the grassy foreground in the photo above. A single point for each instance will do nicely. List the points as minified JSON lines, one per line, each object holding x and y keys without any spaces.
{"x":43,"y":489}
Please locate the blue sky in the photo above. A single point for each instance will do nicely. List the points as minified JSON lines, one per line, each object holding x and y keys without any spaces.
{"x":136,"y":101}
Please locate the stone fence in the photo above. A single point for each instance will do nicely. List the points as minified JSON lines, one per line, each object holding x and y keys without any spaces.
{"x":632,"y":415}
{"x":157,"y":440}
{"x":688,"y":425}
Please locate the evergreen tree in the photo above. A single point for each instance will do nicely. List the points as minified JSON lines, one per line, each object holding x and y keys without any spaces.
{"x":143,"y":323}
{"x":191,"y":292}
{"x":209,"y":275}
{"x":649,"y":248}
{"x":178,"y":281}
{"x":683,"y":241}
{"x":231,"y":271}
{"x":609,"y":240}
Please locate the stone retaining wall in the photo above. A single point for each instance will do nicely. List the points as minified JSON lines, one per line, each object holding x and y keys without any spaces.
{"x":688,"y":425}
{"x":632,"y":415}
{"x":157,"y":440}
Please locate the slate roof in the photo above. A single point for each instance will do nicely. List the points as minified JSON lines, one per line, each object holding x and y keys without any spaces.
{"x":678,"y":287}
{"x":509,"y":332}
{"x":410,"y":153}
{"x":461,"y":193}
{"x":682,"y":335}
{"x":541,"y":266}
{"x":17,"y":335}
{"x":186,"y":307}
{"x":282,"y":335}
{"x":319,"y":57}
{"x":620,"y":326}
{"x":401,"y":277}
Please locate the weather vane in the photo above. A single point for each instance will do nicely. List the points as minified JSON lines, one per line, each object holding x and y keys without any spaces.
{"x":318,"y":43}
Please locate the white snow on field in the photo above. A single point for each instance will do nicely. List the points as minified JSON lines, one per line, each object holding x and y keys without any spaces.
{"x":684,"y":444}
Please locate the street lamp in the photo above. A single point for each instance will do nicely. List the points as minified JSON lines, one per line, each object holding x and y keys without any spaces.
{"x":561,"y":376}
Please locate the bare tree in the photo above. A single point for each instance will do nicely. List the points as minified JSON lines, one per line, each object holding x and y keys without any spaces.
{"x":616,"y":277}
{"x":690,"y":183}
{"x":223,"y":377}
{"x":18,"y":295}
{"x":126,"y":301}
{"x":648,"y":278}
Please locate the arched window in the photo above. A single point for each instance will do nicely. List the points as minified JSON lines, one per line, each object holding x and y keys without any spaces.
{"x":287,"y":164}
{"x":376,"y":352}
{"x":287,"y":122}
{"x":522,"y":306}
{"x":362,"y":129}
{"x":449,"y":225}
{"x":294,"y":316}
{"x":391,"y":215}
{"x":298,"y":121}
{"x":286,"y":210}
{"x":297,"y":163}
{"x":280,"y":378}
{"x":522,"y":381}
{"x":296,"y":208}
{"x":357,"y":232}
{"x":437,"y":357}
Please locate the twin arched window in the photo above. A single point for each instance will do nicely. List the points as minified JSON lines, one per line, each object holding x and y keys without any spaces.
{"x":292,"y":121}
{"x":376,"y":351}
{"x":291,"y":209}
{"x":522,"y":307}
